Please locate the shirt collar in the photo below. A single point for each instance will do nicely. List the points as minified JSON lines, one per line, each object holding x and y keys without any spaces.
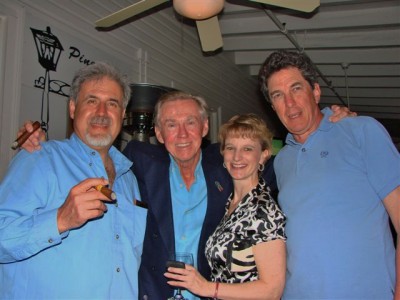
{"x":175,"y":168}
{"x":257,"y":190}
{"x":121,"y":163}
{"x":325,"y":125}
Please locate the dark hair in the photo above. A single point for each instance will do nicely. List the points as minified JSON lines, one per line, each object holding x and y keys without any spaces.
{"x":282,"y":60}
{"x":249,"y":126}
{"x":179,"y":95}
{"x":98,"y":71}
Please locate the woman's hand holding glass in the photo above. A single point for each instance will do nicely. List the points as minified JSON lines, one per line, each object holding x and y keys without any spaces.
{"x":190,"y":279}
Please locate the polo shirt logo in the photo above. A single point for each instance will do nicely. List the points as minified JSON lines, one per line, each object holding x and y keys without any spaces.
{"x":324,"y":154}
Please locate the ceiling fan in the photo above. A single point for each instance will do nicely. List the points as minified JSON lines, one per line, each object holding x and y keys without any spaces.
{"x":204,"y":12}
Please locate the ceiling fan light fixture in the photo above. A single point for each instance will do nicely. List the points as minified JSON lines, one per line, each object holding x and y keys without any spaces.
{"x":198,"y":9}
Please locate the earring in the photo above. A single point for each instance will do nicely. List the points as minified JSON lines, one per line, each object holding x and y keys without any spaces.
{"x":261,"y":167}
{"x":223,"y":164}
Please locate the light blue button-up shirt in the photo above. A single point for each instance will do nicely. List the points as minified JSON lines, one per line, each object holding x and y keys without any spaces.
{"x":189,"y":210}
{"x":99,"y":260}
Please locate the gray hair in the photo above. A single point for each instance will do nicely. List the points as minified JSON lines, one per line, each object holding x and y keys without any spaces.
{"x":179,"y":95}
{"x":98,"y":71}
{"x":282,"y":60}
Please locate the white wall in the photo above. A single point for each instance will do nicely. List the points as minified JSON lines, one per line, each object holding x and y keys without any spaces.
{"x":12,"y":17}
{"x":156,"y":49}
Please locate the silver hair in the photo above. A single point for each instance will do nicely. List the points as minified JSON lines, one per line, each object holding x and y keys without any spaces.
{"x":178,"y":95}
{"x":98,"y":71}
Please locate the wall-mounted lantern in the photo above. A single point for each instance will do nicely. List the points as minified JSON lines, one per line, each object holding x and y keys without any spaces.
{"x":49,"y":49}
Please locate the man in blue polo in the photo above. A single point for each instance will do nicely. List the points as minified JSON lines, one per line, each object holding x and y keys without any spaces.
{"x":338,"y":185}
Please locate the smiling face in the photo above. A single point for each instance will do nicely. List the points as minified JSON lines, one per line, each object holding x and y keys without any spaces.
{"x":242,"y":157}
{"x":98,"y":112}
{"x":295,"y":102}
{"x":181,"y":128}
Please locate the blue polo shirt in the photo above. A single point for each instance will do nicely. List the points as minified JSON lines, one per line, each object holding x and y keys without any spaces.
{"x":189,"y":210}
{"x":331,"y":188}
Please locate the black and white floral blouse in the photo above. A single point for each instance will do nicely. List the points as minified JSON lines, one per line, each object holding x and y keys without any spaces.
{"x":255,"y":220}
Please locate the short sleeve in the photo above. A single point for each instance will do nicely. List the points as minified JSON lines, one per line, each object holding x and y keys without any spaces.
{"x":268,"y":222}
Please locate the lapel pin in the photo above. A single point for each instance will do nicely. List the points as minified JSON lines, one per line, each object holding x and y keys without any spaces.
{"x":219,"y":186}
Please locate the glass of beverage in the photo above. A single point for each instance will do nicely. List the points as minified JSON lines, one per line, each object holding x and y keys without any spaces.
{"x":178,"y":260}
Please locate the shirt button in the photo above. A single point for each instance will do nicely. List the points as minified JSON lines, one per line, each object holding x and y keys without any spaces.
{"x":303,"y":149}
{"x":117,"y":236}
{"x":50,"y":241}
{"x":118,"y":269}
{"x":93,"y":153}
{"x":90,"y":164}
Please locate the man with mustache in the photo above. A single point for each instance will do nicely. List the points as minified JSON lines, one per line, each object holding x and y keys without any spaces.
{"x":60,"y":237}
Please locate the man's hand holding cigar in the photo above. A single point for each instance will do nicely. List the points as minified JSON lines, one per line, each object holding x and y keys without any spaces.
{"x":33,"y":142}
{"x":85,"y":200}
{"x":84,"y":203}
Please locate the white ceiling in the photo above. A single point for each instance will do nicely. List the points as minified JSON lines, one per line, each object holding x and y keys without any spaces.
{"x":360,"y":38}
{"x":355,"y":45}
{"x":357,"y":40}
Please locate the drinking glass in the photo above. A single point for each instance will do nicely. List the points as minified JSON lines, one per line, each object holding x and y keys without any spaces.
{"x":175,"y":260}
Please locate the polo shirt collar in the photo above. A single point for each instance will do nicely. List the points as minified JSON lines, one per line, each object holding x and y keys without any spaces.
{"x":325,"y":125}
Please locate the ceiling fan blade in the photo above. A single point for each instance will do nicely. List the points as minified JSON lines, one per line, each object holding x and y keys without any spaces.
{"x":127,"y":12}
{"x":300,"y":5}
{"x":209,"y":34}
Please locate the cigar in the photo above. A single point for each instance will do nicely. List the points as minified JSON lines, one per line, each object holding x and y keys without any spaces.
{"x":140,"y":204}
{"x":106,"y":192}
{"x":23,"y":137}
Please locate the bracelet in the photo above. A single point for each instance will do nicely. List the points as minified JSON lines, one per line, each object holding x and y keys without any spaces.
{"x":215,"y":297}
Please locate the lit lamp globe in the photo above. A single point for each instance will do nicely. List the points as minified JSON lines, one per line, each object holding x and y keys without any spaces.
{"x":198,"y":9}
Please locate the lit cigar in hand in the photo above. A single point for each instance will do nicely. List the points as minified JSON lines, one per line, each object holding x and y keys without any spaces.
{"x":23,"y":137}
{"x":106,"y":191}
